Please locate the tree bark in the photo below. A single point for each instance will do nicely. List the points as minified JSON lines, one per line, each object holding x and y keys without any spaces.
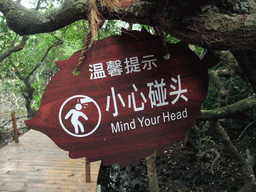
{"x":28,"y":92}
{"x":228,"y":59}
{"x":250,"y":181}
{"x":230,"y":110}
{"x":203,"y":23}
{"x":16,"y":48}
{"x":247,"y":165}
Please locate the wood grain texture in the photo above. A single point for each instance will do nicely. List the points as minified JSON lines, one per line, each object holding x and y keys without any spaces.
{"x":139,"y":132}
{"x":37,"y":164}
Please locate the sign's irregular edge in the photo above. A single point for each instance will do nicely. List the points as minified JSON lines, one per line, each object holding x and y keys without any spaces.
{"x":68,"y":65}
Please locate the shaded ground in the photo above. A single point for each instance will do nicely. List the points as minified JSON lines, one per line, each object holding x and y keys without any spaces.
{"x":9,"y":137}
{"x":6,"y":130}
{"x":179,"y":170}
{"x":10,"y":103}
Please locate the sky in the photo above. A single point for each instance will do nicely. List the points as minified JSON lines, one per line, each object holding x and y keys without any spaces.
{"x":27,"y":3}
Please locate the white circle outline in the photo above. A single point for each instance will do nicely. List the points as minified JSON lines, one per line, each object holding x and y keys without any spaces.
{"x":84,"y":135}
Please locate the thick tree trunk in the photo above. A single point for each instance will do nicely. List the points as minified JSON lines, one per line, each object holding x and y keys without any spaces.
{"x":204,"y":23}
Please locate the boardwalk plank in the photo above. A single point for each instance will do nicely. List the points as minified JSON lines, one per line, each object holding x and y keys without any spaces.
{"x":36,"y":164}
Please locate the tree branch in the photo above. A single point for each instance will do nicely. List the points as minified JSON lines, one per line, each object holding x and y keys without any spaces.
{"x":28,"y":21}
{"x":228,"y":59}
{"x":230,"y":110}
{"x":16,"y":71}
{"x":207,"y":27}
{"x":59,"y":42}
{"x":247,"y":168}
{"x":17,"y":48}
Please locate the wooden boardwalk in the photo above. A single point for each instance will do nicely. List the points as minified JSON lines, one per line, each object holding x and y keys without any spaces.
{"x":36,"y":164}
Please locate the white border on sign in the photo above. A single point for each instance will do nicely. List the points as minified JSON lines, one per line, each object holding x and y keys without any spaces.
{"x":75,"y":135}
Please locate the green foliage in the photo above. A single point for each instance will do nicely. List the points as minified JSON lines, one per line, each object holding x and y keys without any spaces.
{"x":171,"y":39}
{"x":30,"y":64}
{"x":211,"y":100}
{"x":30,"y":67}
{"x":199,"y":50}
{"x":111,"y":27}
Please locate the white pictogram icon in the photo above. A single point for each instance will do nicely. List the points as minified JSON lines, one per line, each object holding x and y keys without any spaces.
{"x":75,"y":114}
{"x":73,"y":119}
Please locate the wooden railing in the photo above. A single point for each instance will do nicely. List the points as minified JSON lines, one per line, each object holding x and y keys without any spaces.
{"x":16,"y":138}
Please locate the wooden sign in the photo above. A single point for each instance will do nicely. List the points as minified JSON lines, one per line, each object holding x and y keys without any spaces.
{"x":127,"y":102}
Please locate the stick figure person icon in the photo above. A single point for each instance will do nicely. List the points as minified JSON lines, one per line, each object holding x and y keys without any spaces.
{"x":75,"y":114}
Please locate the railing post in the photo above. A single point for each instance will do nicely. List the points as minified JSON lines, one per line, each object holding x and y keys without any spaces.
{"x":14,"y":125}
{"x":87,"y":171}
